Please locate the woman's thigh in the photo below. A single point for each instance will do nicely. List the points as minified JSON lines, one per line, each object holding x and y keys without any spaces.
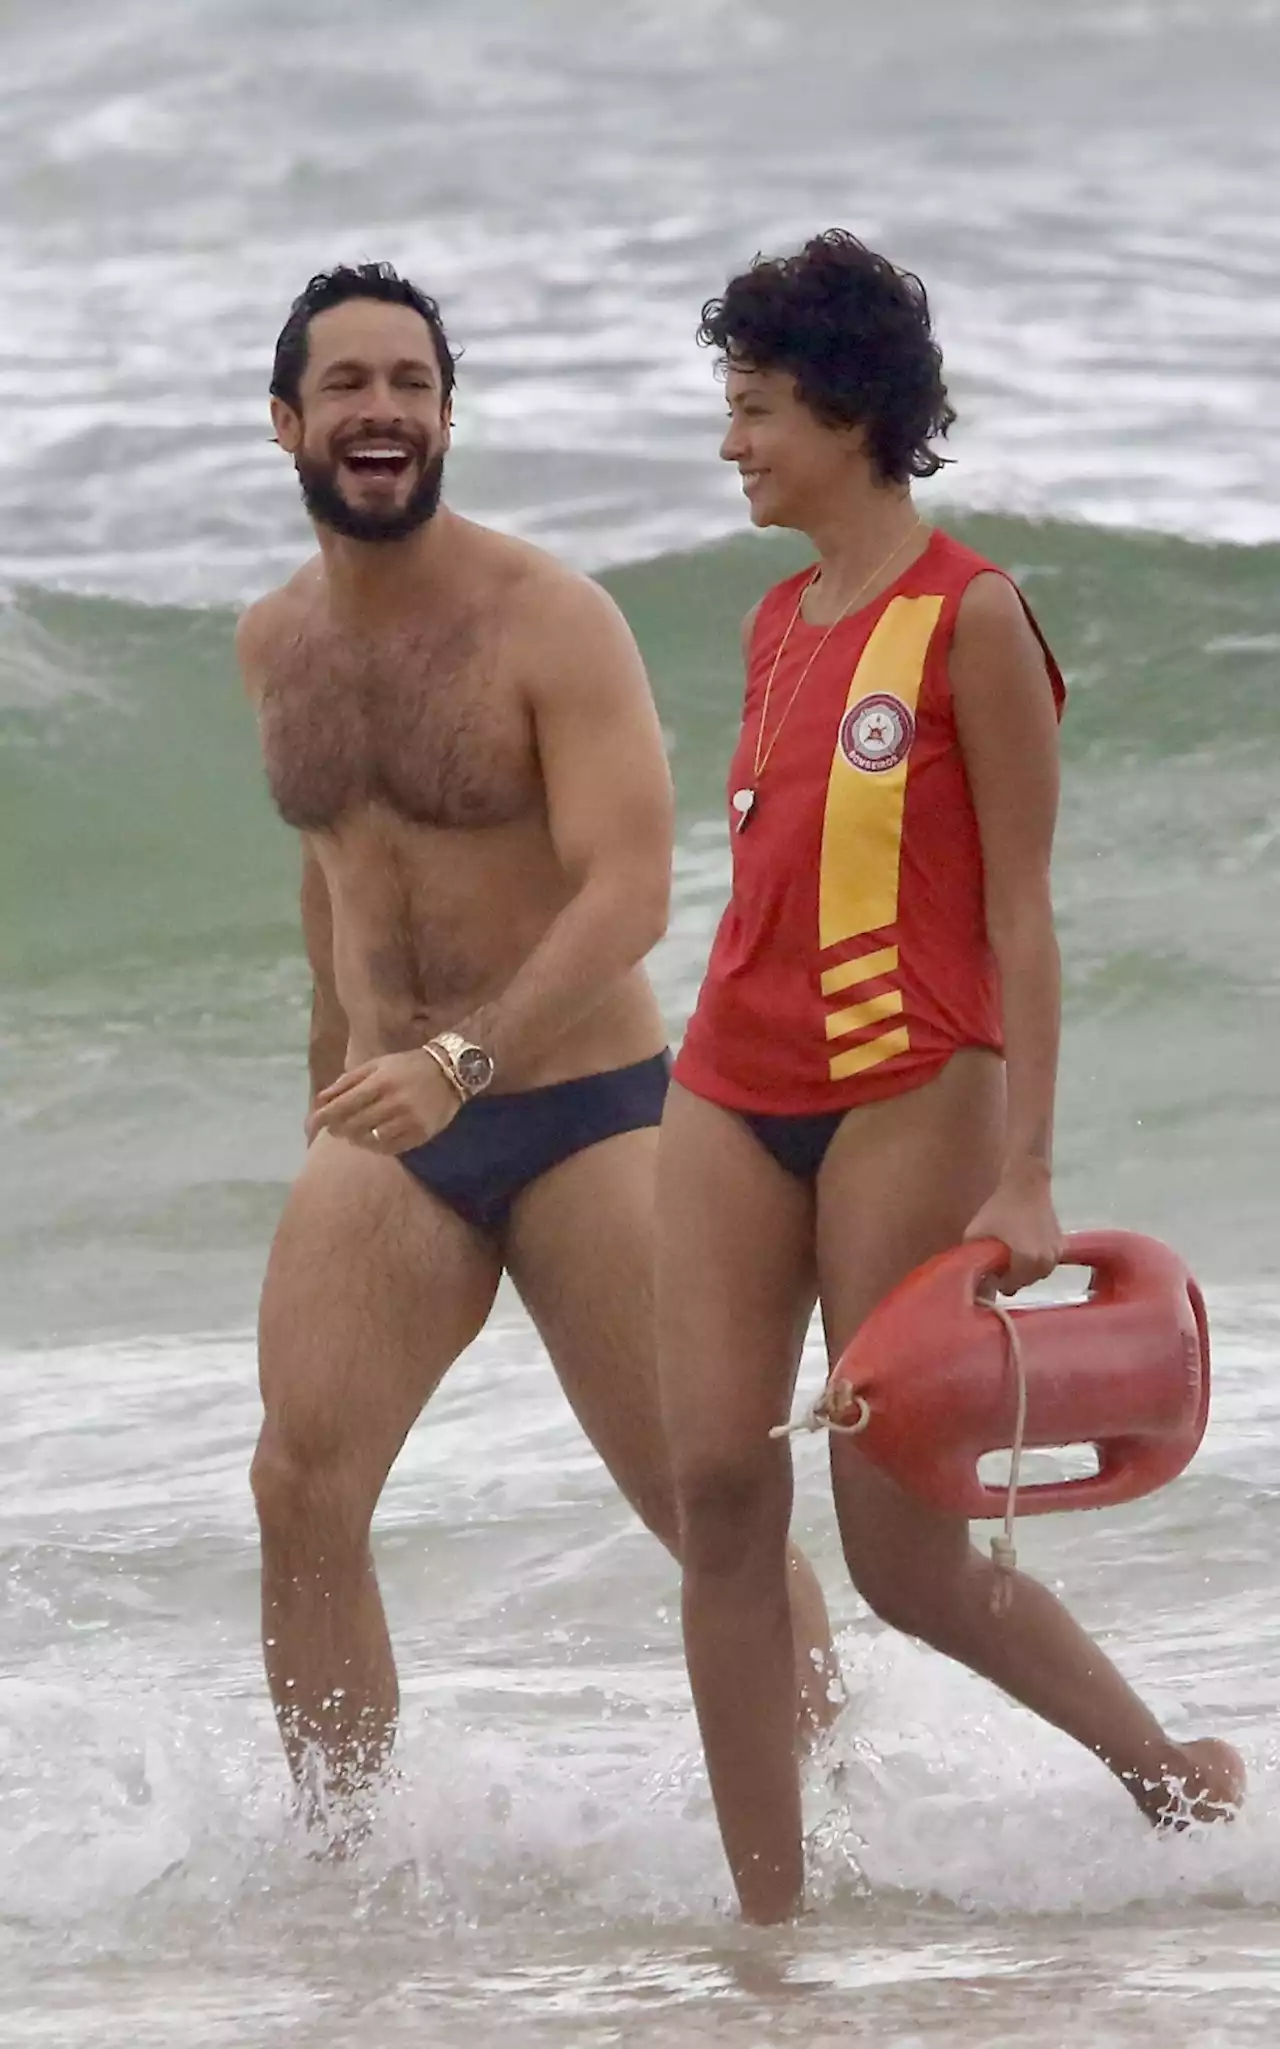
{"x":902,"y":1181}
{"x":735,"y":1288}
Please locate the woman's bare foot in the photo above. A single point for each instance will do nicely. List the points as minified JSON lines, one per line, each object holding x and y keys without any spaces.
{"x":1211,"y":1788}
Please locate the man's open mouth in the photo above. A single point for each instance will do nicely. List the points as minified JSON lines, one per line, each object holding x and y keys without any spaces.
{"x":377,"y":459}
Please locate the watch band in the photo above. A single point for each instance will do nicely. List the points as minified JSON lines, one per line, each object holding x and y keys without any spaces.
{"x":445,"y":1065}
{"x":468,"y":1066}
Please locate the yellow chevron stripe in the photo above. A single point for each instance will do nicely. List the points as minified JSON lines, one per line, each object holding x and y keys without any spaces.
{"x":869,"y":1054}
{"x":841,"y":1022}
{"x":862,"y":828}
{"x":882,"y":962}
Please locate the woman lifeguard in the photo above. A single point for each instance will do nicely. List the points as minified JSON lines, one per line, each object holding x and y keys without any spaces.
{"x":869,"y":1073}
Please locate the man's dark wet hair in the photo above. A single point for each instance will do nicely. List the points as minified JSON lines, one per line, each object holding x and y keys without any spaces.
{"x":333,"y":288}
{"x":855,"y":333}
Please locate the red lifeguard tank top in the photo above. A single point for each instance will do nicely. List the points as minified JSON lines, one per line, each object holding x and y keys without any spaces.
{"x":853,"y":957}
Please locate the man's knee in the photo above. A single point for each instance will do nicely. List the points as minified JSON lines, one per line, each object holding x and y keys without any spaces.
{"x":734,"y":1510}
{"x":308,"y":1496}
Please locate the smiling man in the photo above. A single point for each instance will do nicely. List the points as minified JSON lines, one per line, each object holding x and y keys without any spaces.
{"x":462,"y":732}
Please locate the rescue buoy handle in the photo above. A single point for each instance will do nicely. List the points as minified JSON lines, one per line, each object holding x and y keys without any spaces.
{"x":988,"y":1259}
{"x":1102,"y":1253}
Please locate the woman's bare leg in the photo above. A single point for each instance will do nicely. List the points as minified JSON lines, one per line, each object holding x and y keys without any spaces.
{"x":901,"y":1182}
{"x":735,"y":1287}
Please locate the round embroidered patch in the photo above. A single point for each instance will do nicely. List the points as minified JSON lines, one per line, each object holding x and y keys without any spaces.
{"x":876,"y":733}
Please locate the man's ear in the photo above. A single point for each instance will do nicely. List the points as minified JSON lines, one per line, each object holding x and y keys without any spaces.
{"x":287,"y":425}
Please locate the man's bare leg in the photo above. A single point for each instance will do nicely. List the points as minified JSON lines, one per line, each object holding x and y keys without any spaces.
{"x":373,"y":1288}
{"x":581,"y":1251}
{"x":938,"y":1152}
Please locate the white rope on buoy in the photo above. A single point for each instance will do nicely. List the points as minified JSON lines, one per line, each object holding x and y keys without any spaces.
{"x":819,"y":1417}
{"x":1004,"y":1555}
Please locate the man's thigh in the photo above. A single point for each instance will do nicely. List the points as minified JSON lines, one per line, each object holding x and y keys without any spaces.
{"x":583,"y":1251}
{"x":580,"y":1248}
{"x":373,"y":1287}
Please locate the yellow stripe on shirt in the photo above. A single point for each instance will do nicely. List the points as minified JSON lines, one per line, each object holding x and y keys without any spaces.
{"x":862,"y":825}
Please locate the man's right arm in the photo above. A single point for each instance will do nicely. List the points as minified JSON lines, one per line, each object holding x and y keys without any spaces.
{"x":327,"y":1047}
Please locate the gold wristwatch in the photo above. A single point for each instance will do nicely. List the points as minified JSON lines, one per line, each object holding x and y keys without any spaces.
{"x":468,"y":1067}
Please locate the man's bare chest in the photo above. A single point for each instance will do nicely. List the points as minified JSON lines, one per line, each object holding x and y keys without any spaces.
{"x":433,"y":728}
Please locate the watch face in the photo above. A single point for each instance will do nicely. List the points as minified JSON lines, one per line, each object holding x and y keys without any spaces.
{"x":475,"y":1068}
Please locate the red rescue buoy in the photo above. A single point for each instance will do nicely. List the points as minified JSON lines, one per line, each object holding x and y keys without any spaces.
{"x":1126,"y":1370}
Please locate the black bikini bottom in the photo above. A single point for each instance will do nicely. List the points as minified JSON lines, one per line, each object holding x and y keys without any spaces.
{"x":797,"y":1143}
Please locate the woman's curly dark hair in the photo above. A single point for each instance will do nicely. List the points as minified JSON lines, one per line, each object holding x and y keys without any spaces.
{"x":855,"y":333}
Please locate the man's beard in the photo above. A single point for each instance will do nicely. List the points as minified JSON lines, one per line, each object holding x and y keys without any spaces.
{"x":327,"y":506}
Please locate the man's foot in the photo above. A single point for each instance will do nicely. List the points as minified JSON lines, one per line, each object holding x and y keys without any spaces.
{"x":338,"y":1814}
{"x":1211,"y":1788}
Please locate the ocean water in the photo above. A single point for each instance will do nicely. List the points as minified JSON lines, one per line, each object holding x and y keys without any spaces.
{"x":1089,"y":194}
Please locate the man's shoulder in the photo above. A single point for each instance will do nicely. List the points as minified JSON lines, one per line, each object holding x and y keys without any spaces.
{"x":526,"y":579}
{"x":263,"y":625}
{"x":550,"y":609}
{"x":568,"y":625}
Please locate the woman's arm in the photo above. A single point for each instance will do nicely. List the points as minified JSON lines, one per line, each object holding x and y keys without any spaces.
{"x":1008,"y":728}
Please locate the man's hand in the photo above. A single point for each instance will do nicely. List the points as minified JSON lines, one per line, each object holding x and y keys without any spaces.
{"x":388,"y":1105}
{"x":1021,"y":1215}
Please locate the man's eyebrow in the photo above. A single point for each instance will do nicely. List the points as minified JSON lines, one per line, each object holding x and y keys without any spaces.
{"x":351,"y":366}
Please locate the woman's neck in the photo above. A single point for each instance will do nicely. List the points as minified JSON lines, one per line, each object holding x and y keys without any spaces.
{"x":863,"y":546}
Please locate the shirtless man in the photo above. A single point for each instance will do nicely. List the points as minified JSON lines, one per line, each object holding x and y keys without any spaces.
{"x":462,"y":731}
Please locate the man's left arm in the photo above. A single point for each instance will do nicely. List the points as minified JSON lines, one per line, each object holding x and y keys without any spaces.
{"x":1007,"y":723}
{"x":610,"y":816}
